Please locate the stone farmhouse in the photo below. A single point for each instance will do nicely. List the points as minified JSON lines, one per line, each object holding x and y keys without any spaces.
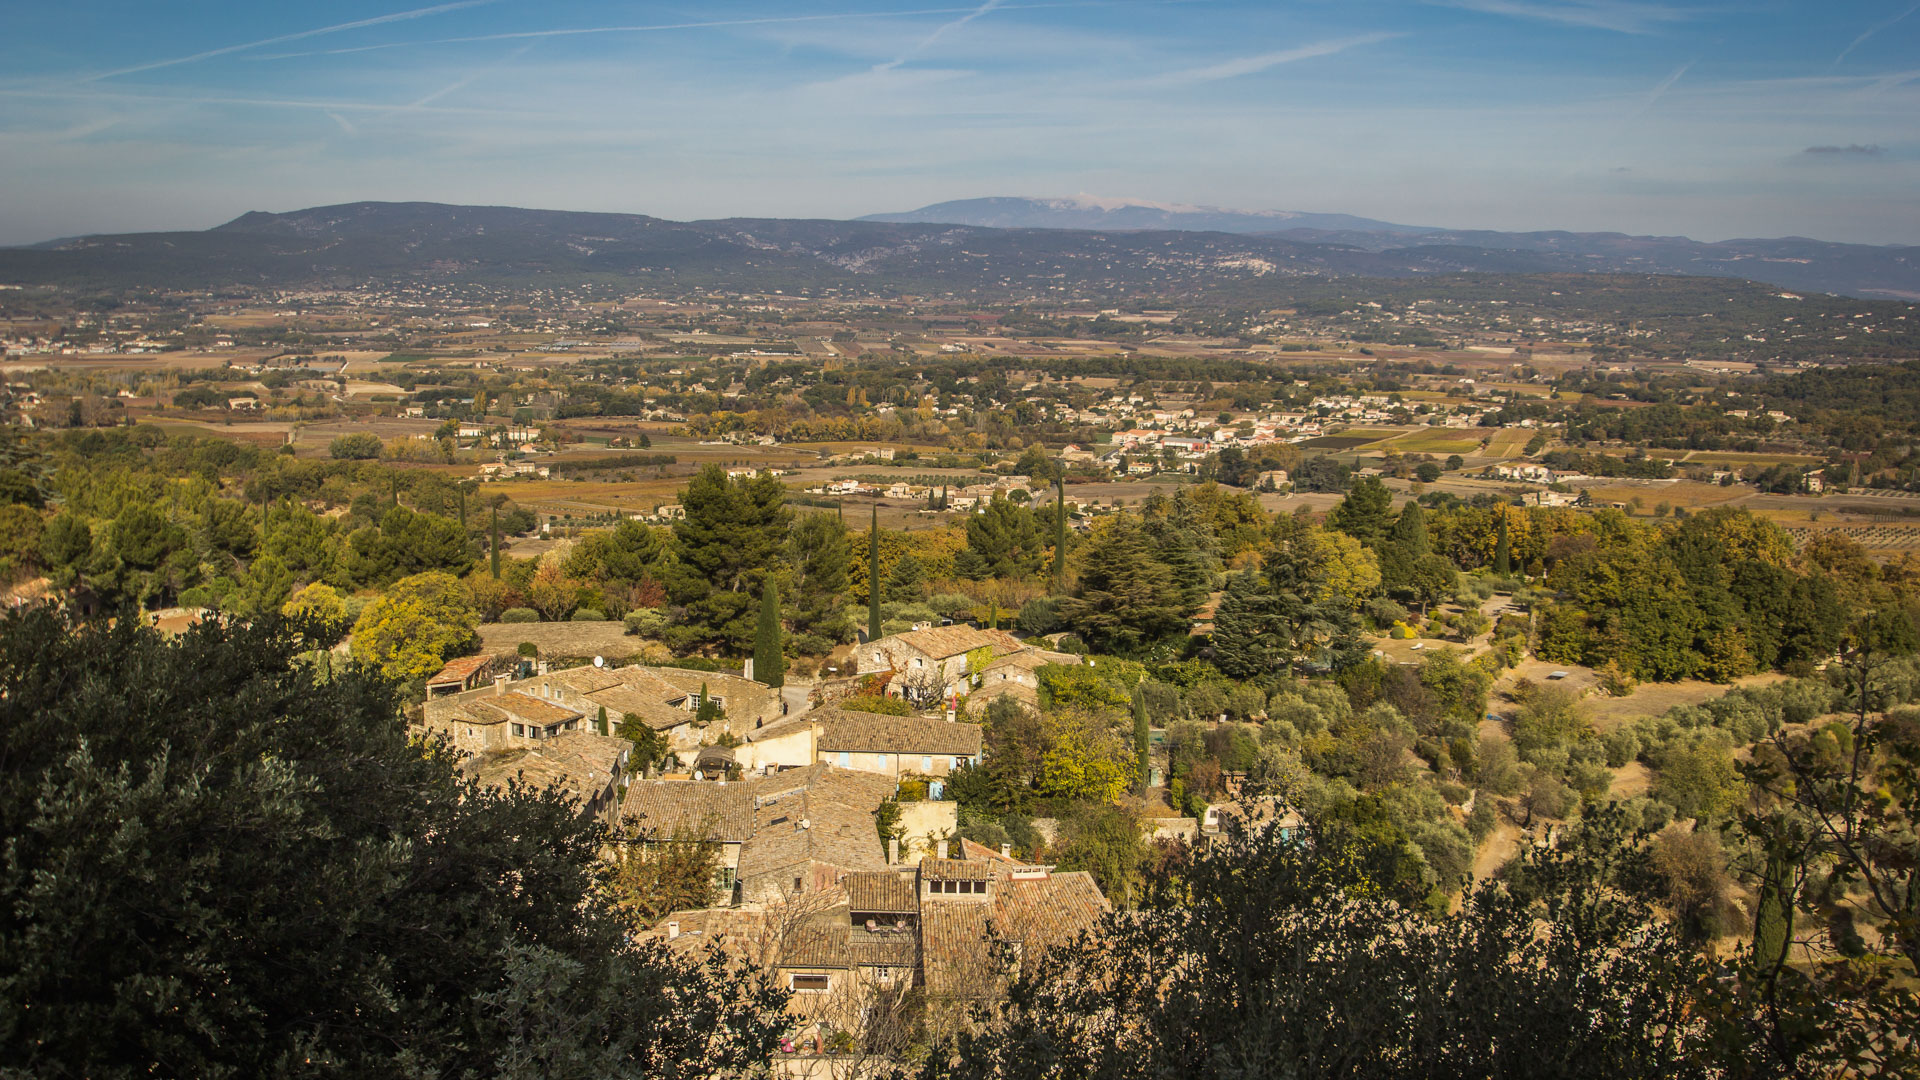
{"x":890,"y":746}
{"x":940,"y":925}
{"x":590,"y":768}
{"x":788,"y":834}
{"x":517,"y":714}
{"x":927,"y":665}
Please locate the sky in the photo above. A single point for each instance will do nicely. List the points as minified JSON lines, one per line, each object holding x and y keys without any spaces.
{"x":1707,"y":118}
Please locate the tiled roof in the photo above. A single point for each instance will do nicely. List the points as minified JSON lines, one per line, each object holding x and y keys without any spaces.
{"x":581,"y":764}
{"x":669,"y":809}
{"x":459,"y":669}
{"x":836,"y":807}
{"x":530,"y":709}
{"x":884,"y":892}
{"x":585,"y":680}
{"x":945,"y":641}
{"x":877,"y":734}
{"x":638,"y":705}
{"x":959,"y":958}
{"x":956,"y":869}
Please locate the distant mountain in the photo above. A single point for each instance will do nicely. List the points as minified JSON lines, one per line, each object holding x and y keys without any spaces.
{"x":1097,"y":212}
{"x":1795,"y":262}
{"x":363,"y":243}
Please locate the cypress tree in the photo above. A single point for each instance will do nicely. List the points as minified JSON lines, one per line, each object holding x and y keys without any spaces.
{"x":1140,"y":735}
{"x":495,"y":529}
{"x":1059,"y":529}
{"x":873,"y":576}
{"x":600,"y":722}
{"x":463,"y":510}
{"x":1502,"y":554}
{"x":707,"y":712}
{"x":769,"y":664}
{"x":993,"y":614}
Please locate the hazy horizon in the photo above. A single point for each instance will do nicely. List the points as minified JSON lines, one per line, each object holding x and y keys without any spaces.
{"x":1585,"y":115}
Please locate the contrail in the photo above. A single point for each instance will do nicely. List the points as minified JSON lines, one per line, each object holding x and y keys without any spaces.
{"x":1872,"y":30}
{"x":398,"y":16}
{"x":927,"y":42}
{"x":1248,"y":65}
{"x":705,"y":24}
{"x":1666,"y":84}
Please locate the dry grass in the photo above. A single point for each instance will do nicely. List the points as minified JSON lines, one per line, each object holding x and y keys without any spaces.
{"x":1438,"y":441}
{"x":608,"y":639}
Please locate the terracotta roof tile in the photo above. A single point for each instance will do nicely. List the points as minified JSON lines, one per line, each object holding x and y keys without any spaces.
{"x":945,"y":641}
{"x":873,"y":733}
{"x":884,"y":892}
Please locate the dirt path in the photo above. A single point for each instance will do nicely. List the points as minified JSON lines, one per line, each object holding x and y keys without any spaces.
{"x":1501,"y":846}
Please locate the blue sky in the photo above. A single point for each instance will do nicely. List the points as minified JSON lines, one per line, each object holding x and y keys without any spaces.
{"x":1707,"y":119}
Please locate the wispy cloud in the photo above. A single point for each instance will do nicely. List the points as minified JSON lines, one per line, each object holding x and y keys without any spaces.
{"x":358,"y":24}
{"x":1872,"y":30}
{"x":970,"y":14}
{"x":1621,"y":16}
{"x":1850,"y":150}
{"x":1248,"y":65}
{"x":939,"y":32}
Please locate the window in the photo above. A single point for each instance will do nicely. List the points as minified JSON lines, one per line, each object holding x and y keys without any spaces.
{"x":520,"y":730}
{"x":926,"y":764}
{"x":723,"y":880}
{"x":919,"y":663}
{"x":883,"y":761}
{"x":809,"y":984}
{"x":846,"y":759}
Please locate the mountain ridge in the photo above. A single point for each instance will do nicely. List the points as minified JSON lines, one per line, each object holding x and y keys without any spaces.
{"x":353,"y":243}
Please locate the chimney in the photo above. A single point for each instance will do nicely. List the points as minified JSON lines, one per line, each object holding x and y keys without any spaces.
{"x":893,"y":851}
{"x":941,"y":849}
{"x":673,"y":930}
{"x":1006,"y":851}
{"x":500,"y":684}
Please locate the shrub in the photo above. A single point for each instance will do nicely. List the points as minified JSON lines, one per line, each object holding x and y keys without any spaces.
{"x":358,"y":446}
{"x":589,"y":615}
{"x":519,"y":615}
{"x":876,"y":703}
{"x":646,"y":622}
{"x":528,"y":649}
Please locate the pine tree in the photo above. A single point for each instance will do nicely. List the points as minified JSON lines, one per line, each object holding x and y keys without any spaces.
{"x":1141,"y":736}
{"x":1502,"y":554}
{"x":769,"y":664}
{"x":495,"y":528}
{"x":1410,"y":532}
{"x":873,"y":576}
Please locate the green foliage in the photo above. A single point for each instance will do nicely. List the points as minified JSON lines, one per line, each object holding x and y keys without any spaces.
{"x":875,"y":703}
{"x":367,"y":914}
{"x":1328,"y":976}
{"x":357,"y":446}
{"x":731,"y":541}
{"x":519,"y":615}
{"x":1126,"y":600}
{"x":1363,"y":513}
{"x":1003,"y":541}
{"x":412,"y":630}
{"x":769,"y":662}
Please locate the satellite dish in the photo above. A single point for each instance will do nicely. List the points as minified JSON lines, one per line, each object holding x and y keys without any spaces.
{"x":599,"y":661}
{"x":698,"y":775}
